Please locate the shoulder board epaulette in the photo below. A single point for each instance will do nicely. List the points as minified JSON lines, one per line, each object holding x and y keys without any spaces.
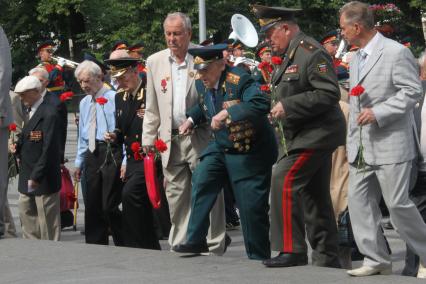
{"x":120,"y":91}
{"x":232,"y":78}
{"x":307,"y":45}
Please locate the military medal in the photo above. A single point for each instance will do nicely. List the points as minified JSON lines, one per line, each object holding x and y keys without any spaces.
{"x":35,"y":136}
{"x":164,"y":86}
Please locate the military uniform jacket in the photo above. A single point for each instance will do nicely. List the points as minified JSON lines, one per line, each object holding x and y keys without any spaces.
{"x":247,"y":138}
{"x":306,"y":85}
{"x":39,"y":151}
{"x":129,"y":118}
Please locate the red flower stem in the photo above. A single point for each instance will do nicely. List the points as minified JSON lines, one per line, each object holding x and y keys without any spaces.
{"x":109,"y":150}
{"x":361,"y":162}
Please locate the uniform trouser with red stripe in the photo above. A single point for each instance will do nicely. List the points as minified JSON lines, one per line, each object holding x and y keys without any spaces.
{"x":300,"y":196}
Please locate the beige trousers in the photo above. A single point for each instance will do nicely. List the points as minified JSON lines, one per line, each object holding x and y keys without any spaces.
{"x":40,"y":216}
{"x":178,"y":175}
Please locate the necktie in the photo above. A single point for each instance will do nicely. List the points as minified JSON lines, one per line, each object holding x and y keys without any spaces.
{"x":361,"y":60}
{"x":27,"y":111}
{"x":92,"y":127}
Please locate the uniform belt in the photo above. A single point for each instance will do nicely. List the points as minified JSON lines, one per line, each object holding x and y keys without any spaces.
{"x":52,"y":89}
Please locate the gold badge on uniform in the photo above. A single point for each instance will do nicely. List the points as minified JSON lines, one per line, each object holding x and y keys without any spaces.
{"x":191,"y":74}
{"x":232,"y":78}
{"x":322,"y":67}
{"x":36,"y":136}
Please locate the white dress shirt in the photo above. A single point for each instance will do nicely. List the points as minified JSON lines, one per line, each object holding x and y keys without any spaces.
{"x":35,"y":106}
{"x":179,"y":84}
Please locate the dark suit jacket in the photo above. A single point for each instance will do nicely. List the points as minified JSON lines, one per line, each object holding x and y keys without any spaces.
{"x":38,"y":149}
{"x":62,"y":120}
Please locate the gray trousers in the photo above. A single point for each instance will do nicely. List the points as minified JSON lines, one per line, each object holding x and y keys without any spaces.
{"x":365,"y":189}
{"x":4,"y":135}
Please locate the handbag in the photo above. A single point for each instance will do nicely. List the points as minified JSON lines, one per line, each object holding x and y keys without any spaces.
{"x":151,"y":180}
{"x":67,"y":197}
{"x":344,"y":230}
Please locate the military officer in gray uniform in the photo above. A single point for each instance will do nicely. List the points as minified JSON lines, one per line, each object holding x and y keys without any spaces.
{"x":307,"y":105}
{"x":243,"y":149}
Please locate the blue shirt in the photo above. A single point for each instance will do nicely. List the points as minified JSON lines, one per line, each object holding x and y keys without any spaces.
{"x":101,"y":124}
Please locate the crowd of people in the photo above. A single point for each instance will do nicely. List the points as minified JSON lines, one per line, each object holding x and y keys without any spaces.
{"x":299,"y":146}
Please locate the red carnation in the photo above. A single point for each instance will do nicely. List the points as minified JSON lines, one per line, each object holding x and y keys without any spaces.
{"x":357,"y":91}
{"x":66,"y":96}
{"x":101,"y":101}
{"x":163,"y":83}
{"x":265,"y":88}
{"x":136,"y":147}
{"x":276,"y":60}
{"x":12,"y":127}
{"x":160,"y":145}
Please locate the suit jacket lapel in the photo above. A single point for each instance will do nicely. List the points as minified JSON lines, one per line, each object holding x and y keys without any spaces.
{"x":353,"y":69}
{"x":168,"y":95}
{"x":132,"y":108}
{"x":374,"y":57}
{"x":32,"y":123}
{"x":191,"y":75}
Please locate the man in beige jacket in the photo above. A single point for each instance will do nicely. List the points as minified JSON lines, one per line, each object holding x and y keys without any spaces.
{"x":170,"y":93}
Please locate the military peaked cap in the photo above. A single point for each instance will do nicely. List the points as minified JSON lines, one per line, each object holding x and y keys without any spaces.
{"x":205,"y":55}
{"x":269,"y":16}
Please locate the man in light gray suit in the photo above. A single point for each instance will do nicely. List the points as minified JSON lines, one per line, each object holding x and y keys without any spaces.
{"x":170,"y":92}
{"x":382,"y":163}
{"x":5,"y":119}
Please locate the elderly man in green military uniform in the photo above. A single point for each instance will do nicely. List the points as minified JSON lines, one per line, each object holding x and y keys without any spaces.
{"x":243,"y":149}
{"x":307,"y":105}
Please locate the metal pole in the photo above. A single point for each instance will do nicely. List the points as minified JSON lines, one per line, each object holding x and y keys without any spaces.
{"x":202,"y":19}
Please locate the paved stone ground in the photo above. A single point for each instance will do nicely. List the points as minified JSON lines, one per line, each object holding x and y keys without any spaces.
{"x":72,"y":261}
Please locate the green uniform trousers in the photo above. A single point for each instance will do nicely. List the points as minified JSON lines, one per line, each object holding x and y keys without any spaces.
{"x":251,"y":195}
{"x":300,"y":197}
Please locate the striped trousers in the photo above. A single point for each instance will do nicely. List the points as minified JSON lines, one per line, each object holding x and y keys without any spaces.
{"x":300,"y":198}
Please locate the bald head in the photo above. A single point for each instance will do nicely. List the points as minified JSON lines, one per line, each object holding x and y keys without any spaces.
{"x":120,"y":53}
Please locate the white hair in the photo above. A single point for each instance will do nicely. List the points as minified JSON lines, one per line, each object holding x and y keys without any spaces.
{"x":39,"y":70}
{"x":88,"y":66}
{"x":186,"y":21}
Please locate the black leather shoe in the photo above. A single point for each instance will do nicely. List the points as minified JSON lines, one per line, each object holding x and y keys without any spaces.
{"x":191,"y":248}
{"x":287,"y":260}
{"x":228,"y":241}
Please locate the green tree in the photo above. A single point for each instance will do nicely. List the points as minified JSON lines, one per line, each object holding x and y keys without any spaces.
{"x":93,"y":25}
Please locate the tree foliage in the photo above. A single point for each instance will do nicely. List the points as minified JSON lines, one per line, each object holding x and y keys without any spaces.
{"x":94,"y":25}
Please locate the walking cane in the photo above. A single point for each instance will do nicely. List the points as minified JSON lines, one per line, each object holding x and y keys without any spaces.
{"x":75,"y":204}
